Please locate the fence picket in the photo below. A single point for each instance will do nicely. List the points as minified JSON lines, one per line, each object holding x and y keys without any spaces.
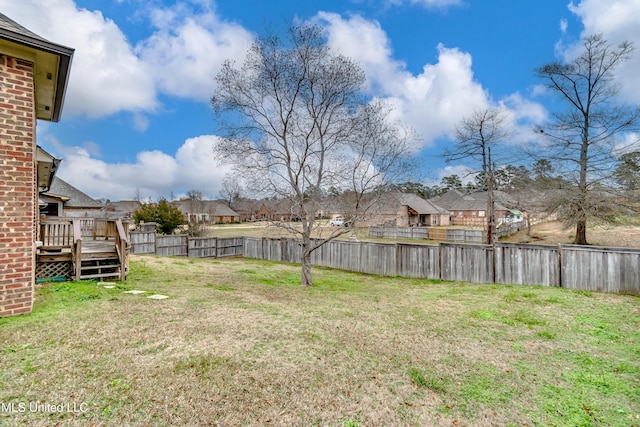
{"x":575,"y":267}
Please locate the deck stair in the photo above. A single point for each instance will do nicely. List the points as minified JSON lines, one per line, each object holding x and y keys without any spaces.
{"x":99,"y":260}
{"x":83,"y":248}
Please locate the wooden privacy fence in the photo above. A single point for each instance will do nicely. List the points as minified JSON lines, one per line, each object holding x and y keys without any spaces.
{"x":586,"y":268}
{"x":149,"y":242}
{"x":143,"y":242}
{"x":172,"y":245}
{"x":600,"y":269}
{"x":399,"y":232}
{"x":443,"y":234}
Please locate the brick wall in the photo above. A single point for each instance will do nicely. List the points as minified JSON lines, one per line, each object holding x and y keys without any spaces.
{"x":18,"y":192}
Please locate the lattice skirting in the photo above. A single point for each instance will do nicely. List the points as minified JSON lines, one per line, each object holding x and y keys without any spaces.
{"x":54,"y":269}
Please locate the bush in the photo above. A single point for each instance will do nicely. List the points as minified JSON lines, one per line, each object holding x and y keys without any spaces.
{"x":166,"y":215}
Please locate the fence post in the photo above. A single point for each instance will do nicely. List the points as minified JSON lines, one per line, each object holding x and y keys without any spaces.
{"x":493,"y":257}
{"x":560,"y":284}
{"x":439,"y":260}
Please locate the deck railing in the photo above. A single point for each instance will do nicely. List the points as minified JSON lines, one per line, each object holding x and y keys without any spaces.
{"x":122,"y":248}
{"x":76,"y":250}
{"x":58,"y":234}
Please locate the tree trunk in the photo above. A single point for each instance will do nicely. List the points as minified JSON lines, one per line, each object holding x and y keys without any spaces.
{"x":490,"y":206}
{"x":306,"y":270}
{"x":581,"y":226}
{"x":306,"y":279}
{"x":581,"y":233}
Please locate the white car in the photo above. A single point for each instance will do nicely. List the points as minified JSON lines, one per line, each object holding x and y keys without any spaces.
{"x":338,"y":222}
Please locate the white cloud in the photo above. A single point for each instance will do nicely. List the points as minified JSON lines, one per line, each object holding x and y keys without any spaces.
{"x":187,"y":49}
{"x":564,"y":24}
{"x":106,"y":76}
{"x":465,"y":173}
{"x":523,"y":118}
{"x":627,"y":143}
{"x":140,"y":122}
{"x":618,"y":20}
{"x":154,"y":173}
{"x":433,"y":101}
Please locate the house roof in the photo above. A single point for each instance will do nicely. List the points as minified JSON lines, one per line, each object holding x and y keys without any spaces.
{"x":246,"y":206}
{"x":76,"y":198}
{"x":211,"y":207}
{"x":389,"y":204}
{"x":456,"y":200}
{"x":127,"y":206}
{"x":52,"y":65}
{"x":420,"y":205}
{"x":46,"y":168}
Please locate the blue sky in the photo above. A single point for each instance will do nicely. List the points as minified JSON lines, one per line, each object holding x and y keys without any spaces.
{"x":137,"y":118}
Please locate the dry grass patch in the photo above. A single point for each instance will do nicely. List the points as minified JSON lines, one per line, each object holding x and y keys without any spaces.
{"x":240,"y":343}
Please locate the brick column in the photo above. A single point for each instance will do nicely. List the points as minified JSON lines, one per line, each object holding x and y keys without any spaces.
{"x":18,"y":192}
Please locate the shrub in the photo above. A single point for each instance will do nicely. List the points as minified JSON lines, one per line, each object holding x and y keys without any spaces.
{"x":165,"y":214}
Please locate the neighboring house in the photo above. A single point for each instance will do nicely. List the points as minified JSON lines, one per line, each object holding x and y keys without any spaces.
{"x":471,"y":208}
{"x":247,"y":209}
{"x":33,"y":81}
{"x":276,"y":210}
{"x":123,"y":209}
{"x":207,"y":211}
{"x":64,"y":200}
{"x":405,"y":210}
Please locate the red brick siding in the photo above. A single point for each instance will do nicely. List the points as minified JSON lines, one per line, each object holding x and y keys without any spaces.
{"x":18,"y":192}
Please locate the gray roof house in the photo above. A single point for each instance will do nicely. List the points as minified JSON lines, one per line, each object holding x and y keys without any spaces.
{"x":406,"y":210}
{"x":122,"y":208}
{"x":471,"y":208}
{"x":207,"y":211}
{"x":63,"y":199}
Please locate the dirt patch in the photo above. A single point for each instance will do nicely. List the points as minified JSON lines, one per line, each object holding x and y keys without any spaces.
{"x":553,"y":233}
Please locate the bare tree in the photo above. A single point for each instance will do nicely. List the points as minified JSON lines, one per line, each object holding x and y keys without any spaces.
{"x":475,"y":136}
{"x":230,"y":190}
{"x":585,"y":140}
{"x":196,"y":206}
{"x":139,"y":197}
{"x":300,"y":124}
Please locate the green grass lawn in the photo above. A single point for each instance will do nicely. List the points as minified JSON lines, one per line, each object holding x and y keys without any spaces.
{"x":240,"y":343}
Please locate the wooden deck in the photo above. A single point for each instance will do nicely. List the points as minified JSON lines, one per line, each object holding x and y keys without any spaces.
{"x":98,"y":246}
{"x":83,"y":249}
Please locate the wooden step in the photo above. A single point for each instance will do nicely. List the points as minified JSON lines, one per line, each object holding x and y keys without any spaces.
{"x":99,"y":276}
{"x":99,"y":259}
{"x":99,"y":256}
{"x":99,"y":267}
